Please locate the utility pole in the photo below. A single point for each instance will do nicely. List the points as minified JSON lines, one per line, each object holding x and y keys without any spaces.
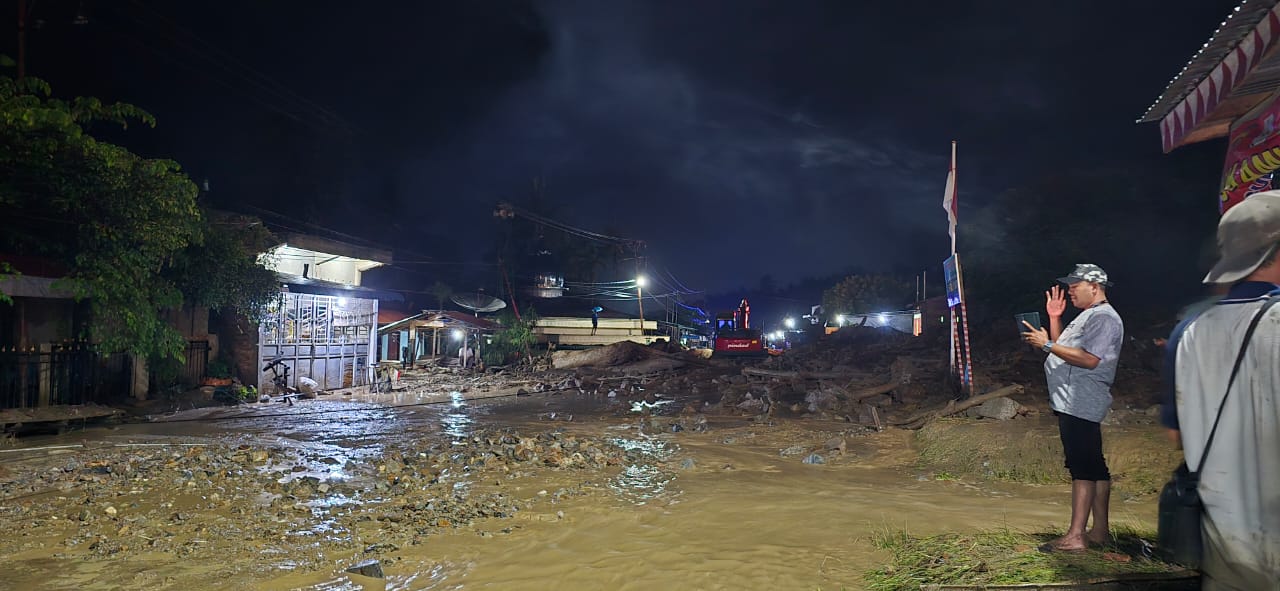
{"x":22,"y":39}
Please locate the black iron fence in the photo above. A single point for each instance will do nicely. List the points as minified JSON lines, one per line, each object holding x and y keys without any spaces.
{"x":197,"y":364}
{"x":62,"y":374}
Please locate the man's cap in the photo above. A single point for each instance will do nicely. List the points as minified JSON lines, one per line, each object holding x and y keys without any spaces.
{"x":1086,"y":272}
{"x":1247,"y":235}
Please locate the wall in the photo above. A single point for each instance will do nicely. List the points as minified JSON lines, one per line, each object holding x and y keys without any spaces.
{"x":30,"y":322}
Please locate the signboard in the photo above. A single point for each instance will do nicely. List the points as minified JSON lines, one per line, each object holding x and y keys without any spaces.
{"x":951,"y":274}
{"x":1253,"y":155}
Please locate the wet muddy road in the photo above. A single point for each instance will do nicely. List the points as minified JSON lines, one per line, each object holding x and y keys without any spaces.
{"x":550,"y":491}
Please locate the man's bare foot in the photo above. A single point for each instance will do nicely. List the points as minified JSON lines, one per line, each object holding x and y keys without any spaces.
{"x":1067,"y":543}
{"x":1093,"y":538}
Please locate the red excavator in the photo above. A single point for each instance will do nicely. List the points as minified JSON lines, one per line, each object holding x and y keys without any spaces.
{"x":734,"y":335}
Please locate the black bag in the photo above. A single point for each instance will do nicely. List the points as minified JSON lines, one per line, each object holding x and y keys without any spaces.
{"x":1179,"y":535}
{"x":1179,"y":538}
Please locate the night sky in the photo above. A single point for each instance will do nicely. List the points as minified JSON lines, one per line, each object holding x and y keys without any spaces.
{"x":737,"y":137}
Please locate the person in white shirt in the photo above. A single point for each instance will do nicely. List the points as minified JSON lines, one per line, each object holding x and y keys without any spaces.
{"x":1240,"y":481}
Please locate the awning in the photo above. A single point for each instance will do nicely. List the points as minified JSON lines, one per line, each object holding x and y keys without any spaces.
{"x":300,"y":284}
{"x":442,"y":319}
{"x":1231,"y":74}
{"x":26,"y":286}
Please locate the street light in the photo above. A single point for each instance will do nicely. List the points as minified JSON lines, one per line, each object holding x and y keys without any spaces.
{"x":790,"y":322}
{"x":457,"y":334}
{"x":840,"y":319}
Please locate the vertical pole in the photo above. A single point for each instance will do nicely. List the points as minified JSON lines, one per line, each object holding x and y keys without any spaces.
{"x":22,"y":39}
{"x":968,"y":357}
{"x":640,"y":298}
{"x":955,"y":181}
{"x":954,"y":349}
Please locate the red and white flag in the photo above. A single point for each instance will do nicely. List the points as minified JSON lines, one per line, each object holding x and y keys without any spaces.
{"x":951,"y":200}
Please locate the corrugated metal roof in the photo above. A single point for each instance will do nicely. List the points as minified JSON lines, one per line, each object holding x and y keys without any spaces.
{"x":1238,"y":24}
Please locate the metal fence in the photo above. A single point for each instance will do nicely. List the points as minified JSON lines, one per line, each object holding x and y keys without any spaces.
{"x":197,"y":363}
{"x":62,"y":374}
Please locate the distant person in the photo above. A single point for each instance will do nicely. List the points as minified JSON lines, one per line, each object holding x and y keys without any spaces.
{"x":1240,"y":479}
{"x":595,"y":320}
{"x":1079,"y":370}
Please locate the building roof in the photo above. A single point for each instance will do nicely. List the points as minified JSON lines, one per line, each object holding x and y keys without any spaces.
{"x":443,"y":319}
{"x":300,"y":284}
{"x":1230,"y":74}
{"x":34,"y":266}
{"x":335,"y":247}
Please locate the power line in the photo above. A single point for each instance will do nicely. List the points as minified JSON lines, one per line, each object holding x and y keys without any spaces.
{"x":160,"y":25}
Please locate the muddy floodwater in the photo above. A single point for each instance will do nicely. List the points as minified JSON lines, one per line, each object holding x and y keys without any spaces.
{"x":549,"y":491}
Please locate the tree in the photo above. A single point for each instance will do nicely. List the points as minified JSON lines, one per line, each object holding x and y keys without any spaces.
{"x":221,"y":270}
{"x":442,"y":291}
{"x":1146,"y":227}
{"x":860,"y":294}
{"x":121,"y":223}
{"x":512,"y":341}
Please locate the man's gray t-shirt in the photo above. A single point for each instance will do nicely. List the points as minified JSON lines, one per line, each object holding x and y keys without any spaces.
{"x":1076,"y":391}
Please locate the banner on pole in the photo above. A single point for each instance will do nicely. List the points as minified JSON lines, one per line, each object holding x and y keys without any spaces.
{"x":951,"y":275}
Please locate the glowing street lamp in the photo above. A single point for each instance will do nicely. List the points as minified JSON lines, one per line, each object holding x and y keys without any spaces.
{"x":790,"y":322}
{"x":457,"y":334}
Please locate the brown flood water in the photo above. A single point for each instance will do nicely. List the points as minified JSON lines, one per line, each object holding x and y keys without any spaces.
{"x":741,"y":515}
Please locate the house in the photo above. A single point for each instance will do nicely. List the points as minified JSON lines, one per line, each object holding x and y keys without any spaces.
{"x":430,"y":333}
{"x":44,"y":358}
{"x":323,"y":326}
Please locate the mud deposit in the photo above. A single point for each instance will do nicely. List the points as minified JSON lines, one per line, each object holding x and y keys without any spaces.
{"x":546,"y":492}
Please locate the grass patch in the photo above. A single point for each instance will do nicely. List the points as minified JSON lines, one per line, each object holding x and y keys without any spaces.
{"x":1003,"y":557}
{"x":1029,"y":451}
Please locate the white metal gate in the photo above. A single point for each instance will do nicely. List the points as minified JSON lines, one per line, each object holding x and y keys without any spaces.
{"x":326,"y":338}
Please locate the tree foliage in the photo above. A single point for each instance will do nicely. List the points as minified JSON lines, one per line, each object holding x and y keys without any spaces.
{"x":1150,"y":231}
{"x":221,"y":270}
{"x":121,"y":223}
{"x":512,"y":341}
{"x":442,"y":291}
{"x":860,"y":294}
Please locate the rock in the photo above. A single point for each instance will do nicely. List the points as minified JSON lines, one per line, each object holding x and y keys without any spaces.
{"x":837,"y":444}
{"x":110,"y":511}
{"x":368,"y":568}
{"x":1154,"y":411}
{"x":794,"y":450}
{"x":688,"y":464}
{"x":814,"y":459}
{"x":1001,"y":408}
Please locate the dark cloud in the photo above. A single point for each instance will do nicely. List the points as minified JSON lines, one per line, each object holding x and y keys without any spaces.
{"x":738,"y":137}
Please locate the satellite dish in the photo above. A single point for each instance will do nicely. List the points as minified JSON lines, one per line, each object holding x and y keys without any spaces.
{"x":478,"y":302}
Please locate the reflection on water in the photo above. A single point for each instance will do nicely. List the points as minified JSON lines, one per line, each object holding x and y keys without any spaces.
{"x":457,"y":424}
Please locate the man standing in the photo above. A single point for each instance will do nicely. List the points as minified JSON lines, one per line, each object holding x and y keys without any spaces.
{"x":1240,"y":481}
{"x":1079,"y":370}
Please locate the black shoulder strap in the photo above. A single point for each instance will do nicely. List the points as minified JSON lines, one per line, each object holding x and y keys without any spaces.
{"x":1244,"y":347}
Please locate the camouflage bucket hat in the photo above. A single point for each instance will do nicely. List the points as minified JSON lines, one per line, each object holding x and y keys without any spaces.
{"x":1086,"y":272}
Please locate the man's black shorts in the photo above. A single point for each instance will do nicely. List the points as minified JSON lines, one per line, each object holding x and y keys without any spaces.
{"x":1082,"y":445}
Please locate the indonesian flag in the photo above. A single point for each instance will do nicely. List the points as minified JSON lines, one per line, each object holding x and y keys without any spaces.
{"x":951,"y":200}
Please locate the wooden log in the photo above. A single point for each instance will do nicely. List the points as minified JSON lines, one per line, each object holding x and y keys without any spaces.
{"x":806,"y":375}
{"x":860,"y":394}
{"x":919,"y":419}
